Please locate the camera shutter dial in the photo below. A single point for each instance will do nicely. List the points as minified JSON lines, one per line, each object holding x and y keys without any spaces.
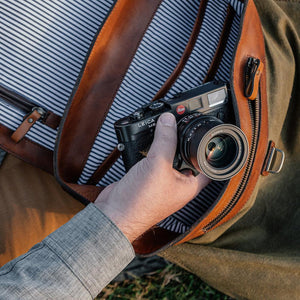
{"x":138,"y":114}
{"x":156,"y":106}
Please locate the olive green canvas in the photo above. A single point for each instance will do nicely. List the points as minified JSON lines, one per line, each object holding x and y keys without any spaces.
{"x":256,"y":255}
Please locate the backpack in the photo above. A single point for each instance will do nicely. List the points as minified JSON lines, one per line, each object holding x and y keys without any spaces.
{"x":70,"y":71}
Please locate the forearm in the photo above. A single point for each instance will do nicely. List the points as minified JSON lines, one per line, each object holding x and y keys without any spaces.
{"x":77,"y":260}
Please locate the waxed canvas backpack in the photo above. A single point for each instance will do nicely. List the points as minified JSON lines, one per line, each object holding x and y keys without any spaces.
{"x":70,"y":70}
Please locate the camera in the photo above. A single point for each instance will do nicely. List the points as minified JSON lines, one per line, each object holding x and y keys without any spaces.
{"x":208,"y":141}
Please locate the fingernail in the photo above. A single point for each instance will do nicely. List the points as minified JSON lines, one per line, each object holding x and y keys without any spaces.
{"x":167,"y":119}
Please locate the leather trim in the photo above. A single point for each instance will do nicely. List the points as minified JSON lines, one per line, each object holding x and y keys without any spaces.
{"x":153,"y":240}
{"x":104,"y":167}
{"x":52,"y":120}
{"x":87,"y":193}
{"x":27,"y":150}
{"x":25,"y":126}
{"x":113,"y":51}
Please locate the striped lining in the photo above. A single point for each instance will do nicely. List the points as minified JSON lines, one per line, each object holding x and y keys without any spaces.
{"x":237,"y":6}
{"x":183,"y":219}
{"x":199,"y":61}
{"x":223,"y":72}
{"x":43,"y":47}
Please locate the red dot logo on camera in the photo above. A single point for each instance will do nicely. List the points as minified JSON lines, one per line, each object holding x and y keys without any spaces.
{"x":180,"y":109}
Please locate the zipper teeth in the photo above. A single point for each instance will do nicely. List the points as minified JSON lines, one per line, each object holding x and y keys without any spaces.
{"x":21,"y":102}
{"x":233,"y":201}
{"x":15,"y":101}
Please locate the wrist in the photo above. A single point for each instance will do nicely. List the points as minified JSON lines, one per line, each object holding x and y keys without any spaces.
{"x":130,"y":228}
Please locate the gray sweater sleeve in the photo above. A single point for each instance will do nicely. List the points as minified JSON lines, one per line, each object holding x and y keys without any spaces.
{"x":74,"y":262}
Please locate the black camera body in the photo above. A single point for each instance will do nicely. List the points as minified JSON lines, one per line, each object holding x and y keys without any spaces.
{"x":198,"y":111}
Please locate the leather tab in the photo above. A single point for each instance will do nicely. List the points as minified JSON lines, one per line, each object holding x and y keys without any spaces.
{"x":52,"y":120}
{"x":271,"y":159}
{"x":253,"y":73}
{"x":28,"y":122}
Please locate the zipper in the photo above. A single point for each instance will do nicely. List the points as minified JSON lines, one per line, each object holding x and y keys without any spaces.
{"x":252,"y":66}
{"x":21,"y":102}
{"x":253,"y":73}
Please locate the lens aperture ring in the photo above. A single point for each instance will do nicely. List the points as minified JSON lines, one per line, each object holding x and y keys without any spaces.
{"x":211,"y":147}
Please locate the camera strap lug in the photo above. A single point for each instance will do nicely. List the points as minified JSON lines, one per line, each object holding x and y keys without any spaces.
{"x":274,"y":160}
{"x":254,"y":68}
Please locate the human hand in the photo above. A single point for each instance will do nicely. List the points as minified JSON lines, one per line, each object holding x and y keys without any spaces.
{"x":151,"y":190}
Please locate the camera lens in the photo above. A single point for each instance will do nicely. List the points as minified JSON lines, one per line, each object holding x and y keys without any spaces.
{"x":221,"y":151}
{"x":208,"y":145}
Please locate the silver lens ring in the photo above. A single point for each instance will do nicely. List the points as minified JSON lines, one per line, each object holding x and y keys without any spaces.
{"x":242,"y":150}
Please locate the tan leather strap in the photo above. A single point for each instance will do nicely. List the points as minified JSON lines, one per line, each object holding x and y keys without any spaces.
{"x":104,"y":167}
{"x":52,"y":120}
{"x":221,"y":45}
{"x":25,"y":126}
{"x":112,"y":51}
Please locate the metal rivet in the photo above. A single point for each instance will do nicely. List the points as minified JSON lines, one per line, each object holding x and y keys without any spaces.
{"x":121,"y":147}
{"x":30,"y":120}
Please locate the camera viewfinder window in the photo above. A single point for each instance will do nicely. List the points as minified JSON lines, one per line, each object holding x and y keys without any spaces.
{"x":216,"y":98}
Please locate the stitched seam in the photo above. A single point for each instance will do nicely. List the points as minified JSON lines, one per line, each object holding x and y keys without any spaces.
{"x":66,"y":263}
{"x":25,"y":256}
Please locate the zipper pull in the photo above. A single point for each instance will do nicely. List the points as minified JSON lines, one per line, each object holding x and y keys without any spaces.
{"x":254,"y":68}
{"x":36,"y":114}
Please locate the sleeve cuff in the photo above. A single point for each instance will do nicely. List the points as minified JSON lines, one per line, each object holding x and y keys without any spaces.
{"x":92,"y":247}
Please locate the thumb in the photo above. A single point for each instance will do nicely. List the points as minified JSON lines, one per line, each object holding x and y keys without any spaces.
{"x":165,"y":138}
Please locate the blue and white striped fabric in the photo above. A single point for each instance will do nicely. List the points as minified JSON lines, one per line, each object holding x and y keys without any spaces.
{"x":200,"y":59}
{"x":43,"y":46}
{"x":223,"y":72}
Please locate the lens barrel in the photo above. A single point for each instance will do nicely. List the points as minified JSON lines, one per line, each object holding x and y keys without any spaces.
{"x":211,"y":147}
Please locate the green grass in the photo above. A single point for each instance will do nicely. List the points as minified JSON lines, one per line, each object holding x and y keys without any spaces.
{"x":169,"y":283}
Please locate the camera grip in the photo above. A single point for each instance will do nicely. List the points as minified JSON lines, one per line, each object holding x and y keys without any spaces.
{"x":135,"y":151}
